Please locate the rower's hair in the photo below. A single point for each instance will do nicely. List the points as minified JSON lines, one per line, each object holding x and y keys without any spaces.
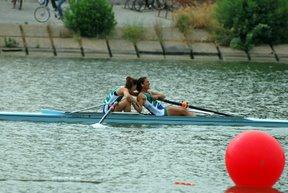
{"x":130,"y":82}
{"x":140,"y":81}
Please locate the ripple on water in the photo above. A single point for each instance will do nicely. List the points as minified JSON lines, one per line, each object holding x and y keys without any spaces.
{"x":40,"y":157}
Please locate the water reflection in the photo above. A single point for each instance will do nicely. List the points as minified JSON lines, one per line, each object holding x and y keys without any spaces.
{"x":236,"y":189}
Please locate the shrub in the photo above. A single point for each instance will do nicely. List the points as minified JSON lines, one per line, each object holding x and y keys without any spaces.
{"x":185,"y":3}
{"x":200,"y":16}
{"x":10,"y":43}
{"x":244,"y":23}
{"x":203,"y":18}
{"x":90,"y":18}
{"x":133,"y":33}
{"x":158,"y":28}
{"x":183,"y":24}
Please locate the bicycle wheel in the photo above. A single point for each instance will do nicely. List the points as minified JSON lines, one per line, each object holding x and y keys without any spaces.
{"x":42,"y":14}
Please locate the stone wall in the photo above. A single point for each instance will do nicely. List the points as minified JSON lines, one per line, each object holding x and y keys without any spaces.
{"x":45,"y":40}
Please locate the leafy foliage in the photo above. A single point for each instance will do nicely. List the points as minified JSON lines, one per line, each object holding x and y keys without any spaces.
{"x":183,"y":24}
{"x":200,"y":15}
{"x":244,"y":23}
{"x":10,"y":43}
{"x":158,"y":28}
{"x":133,"y":33}
{"x":90,"y":18}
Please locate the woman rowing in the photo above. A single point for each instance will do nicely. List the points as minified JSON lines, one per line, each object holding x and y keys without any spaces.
{"x":121,"y":97}
{"x":149,"y":99}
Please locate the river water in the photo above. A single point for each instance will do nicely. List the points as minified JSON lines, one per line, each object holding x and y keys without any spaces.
{"x":42,"y":157}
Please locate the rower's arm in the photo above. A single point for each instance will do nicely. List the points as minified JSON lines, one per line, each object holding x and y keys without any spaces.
{"x":138,"y":105}
{"x":134,"y":93}
{"x":157,"y":95}
{"x":126,"y":94}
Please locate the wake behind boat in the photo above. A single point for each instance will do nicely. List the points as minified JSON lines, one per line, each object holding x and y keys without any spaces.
{"x":52,"y":116}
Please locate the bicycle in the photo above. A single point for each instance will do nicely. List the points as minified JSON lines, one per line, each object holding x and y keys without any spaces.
{"x":140,"y":5}
{"x":42,"y":13}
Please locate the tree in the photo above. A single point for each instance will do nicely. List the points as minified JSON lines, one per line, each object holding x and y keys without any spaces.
{"x":244,"y":23}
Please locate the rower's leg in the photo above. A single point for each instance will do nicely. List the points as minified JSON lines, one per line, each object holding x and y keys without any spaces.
{"x":178,"y":111}
{"x":123,"y":105}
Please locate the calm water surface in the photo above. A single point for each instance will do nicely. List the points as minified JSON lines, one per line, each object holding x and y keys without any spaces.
{"x":41,"y":157}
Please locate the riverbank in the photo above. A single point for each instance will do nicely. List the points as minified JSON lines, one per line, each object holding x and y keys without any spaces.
{"x":53,"y":39}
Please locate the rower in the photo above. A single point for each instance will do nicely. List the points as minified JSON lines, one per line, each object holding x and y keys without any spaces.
{"x":149,"y":99}
{"x":124,"y":94}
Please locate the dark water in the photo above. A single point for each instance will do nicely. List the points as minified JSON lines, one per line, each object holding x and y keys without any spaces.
{"x":40,"y":157}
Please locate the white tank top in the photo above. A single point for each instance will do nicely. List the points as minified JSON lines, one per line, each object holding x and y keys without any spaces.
{"x":153,"y":106}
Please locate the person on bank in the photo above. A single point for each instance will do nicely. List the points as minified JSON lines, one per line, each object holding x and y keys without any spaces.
{"x":126,"y":93}
{"x":149,"y":99}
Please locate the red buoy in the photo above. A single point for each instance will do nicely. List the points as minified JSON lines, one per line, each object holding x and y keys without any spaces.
{"x":254,"y":159}
{"x":237,"y":189}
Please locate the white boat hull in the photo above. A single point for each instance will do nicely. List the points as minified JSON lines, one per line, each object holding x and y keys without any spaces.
{"x":47,"y":115}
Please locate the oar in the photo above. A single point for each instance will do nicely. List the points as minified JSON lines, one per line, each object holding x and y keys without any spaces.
{"x":198,"y":108}
{"x":107,"y":113}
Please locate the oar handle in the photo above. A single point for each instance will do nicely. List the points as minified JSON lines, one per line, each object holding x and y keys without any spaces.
{"x":198,"y":108}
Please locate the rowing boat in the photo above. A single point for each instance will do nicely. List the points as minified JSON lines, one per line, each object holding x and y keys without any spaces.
{"x":51,"y":115}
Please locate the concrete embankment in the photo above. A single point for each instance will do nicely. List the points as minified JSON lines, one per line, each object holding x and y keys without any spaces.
{"x":53,"y":39}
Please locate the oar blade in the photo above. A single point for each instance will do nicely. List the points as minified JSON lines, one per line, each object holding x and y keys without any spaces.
{"x":98,"y":126}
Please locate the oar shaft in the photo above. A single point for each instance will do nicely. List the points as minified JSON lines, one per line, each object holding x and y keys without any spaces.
{"x":110,"y":109}
{"x":107,"y":113}
{"x":198,"y":108}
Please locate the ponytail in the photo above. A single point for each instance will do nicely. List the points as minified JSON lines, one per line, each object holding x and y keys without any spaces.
{"x":130,"y":82}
